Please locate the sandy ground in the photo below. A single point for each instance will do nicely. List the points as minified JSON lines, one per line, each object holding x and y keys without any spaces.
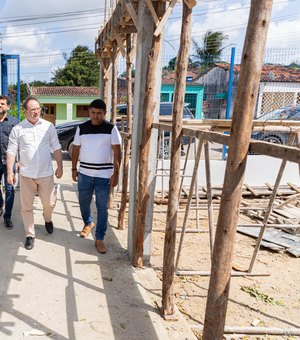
{"x":280,"y":306}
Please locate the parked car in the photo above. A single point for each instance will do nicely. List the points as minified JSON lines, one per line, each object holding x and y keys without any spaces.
{"x":284,"y":113}
{"x":165,"y":111}
{"x":66,"y":131}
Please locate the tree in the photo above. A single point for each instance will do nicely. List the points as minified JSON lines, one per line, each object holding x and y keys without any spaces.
{"x":123,"y":74}
{"x":211,"y":48}
{"x":81,"y":69}
{"x":172,"y":64}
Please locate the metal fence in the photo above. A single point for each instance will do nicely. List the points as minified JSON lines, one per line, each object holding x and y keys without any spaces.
{"x":279,"y":86}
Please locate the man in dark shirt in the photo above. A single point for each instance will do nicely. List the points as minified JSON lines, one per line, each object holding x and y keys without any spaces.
{"x":7,"y":122}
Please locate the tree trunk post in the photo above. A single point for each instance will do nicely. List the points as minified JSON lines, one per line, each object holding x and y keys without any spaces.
{"x":251,"y":65}
{"x":173,"y":202}
{"x":121,"y":216}
{"x":114,"y":85}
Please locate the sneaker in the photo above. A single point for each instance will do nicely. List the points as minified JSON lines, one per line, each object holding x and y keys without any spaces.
{"x":100,"y":245}
{"x":86,"y":230}
{"x":49,"y":227}
{"x":8,"y":223}
{"x":29,"y":243}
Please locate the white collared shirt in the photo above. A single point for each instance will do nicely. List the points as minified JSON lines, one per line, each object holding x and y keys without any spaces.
{"x":34,"y":144}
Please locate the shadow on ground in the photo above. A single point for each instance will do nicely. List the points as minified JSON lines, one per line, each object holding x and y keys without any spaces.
{"x":63,"y":287}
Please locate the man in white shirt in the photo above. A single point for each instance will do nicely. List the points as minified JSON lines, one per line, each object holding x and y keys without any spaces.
{"x":98,"y":142}
{"x":34,"y":139}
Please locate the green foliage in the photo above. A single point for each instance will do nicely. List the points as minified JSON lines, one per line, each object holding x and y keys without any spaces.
{"x":40,"y":83}
{"x":210,"y":49}
{"x":173,"y":62}
{"x":123,"y":74}
{"x":13,"y":111}
{"x":81,"y":69}
{"x":254,"y":292}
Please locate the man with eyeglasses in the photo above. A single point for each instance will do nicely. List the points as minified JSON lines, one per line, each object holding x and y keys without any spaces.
{"x":34,"y":139}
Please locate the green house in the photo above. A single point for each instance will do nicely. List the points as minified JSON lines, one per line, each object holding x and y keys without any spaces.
{"x":193,"y":96}
{"x":65,"y":103}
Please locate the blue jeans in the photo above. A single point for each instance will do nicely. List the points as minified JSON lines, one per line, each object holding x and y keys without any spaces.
{"x":86,"y":187}
{"x":9,"y":193}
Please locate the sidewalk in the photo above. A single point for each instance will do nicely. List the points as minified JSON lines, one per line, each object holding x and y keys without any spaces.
{"x":65,"y":289}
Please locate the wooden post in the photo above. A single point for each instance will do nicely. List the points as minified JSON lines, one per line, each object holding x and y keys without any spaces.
{"x":114,"y":85}
{"x":128,"y":139}
{"x":179,"y":93}
{"x":148,"y":109}
{"x":143,"y":47}
{"x":251,"y":65}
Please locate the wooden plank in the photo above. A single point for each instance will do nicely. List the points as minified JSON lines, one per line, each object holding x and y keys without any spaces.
{"x":294,"y":187}
{"x":132,"y":13}
{"x":271,"y":187}
{"x":165,"y":18}
{"x":248,"y":187}
{"x":120,"y":43}
{"x":152,"y":11}
{"x":208,"y":273}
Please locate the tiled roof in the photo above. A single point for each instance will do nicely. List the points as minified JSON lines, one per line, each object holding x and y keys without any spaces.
{"x":271,"y":73}
{"x":169,"y":77}
{"x":64,"y":91}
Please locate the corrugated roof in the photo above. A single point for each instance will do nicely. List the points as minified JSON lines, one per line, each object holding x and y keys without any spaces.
{"x":64,"y":91}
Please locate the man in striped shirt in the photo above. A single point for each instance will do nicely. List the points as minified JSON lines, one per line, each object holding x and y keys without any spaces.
{"x":97,"y":144}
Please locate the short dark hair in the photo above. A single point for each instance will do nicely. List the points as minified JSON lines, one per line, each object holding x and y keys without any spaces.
{"x":98,"y":104}
{"x":27,"y":100}
{"x":5,"y":98}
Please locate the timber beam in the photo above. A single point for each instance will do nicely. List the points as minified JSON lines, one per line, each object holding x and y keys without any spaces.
{"x":121,"y":23}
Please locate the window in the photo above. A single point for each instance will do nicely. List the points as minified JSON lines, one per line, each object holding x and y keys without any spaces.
{"x":49,"y":109}
{"x":82,"y":111}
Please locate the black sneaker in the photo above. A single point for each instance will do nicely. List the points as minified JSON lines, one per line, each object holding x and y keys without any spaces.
{"x":49,"y":227}
{"x":8,"y":223}
{"x":29,"y":242}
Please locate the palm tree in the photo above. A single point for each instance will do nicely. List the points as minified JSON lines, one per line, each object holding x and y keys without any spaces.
{"x":211,"y":49}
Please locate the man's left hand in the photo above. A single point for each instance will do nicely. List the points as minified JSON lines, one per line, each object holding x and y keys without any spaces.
{"x":58,"y":172}
{"x":114,"y":180}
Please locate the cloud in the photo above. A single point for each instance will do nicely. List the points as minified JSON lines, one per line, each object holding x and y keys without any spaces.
{"x":284,"y":34}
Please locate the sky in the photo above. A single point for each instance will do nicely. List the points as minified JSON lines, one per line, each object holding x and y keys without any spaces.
{"x":42,"y":32}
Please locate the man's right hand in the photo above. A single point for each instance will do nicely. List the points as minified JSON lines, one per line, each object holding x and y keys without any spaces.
{"x":75,"y":175}
{"x":11,"y":178}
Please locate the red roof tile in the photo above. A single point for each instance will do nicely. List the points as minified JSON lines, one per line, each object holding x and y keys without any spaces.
{"x":273,"y":73}
{"x":169,"y":77}
{"x":64,"y":91}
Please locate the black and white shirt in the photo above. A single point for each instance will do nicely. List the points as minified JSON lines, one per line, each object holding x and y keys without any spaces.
{"x":96,"y":154}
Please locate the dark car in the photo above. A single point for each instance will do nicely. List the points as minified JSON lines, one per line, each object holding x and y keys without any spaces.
{"x":165,"y":110}
{"x":285,"y":113}
{"x":66,"y":132}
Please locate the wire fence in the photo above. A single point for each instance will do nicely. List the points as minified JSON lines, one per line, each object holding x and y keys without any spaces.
{"x":279,"y":83}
